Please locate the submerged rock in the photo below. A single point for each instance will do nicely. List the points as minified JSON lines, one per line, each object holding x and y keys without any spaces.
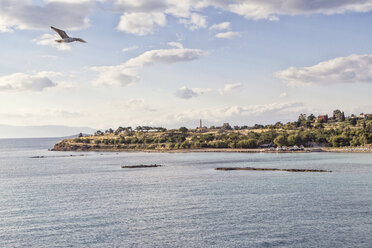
{"x":140,"y":166}
{"x":269,"y":169}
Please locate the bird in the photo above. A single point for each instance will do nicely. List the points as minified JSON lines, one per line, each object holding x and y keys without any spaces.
{"x":65,"y":37}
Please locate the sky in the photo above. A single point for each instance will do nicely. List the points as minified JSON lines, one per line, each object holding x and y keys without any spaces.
{"x":170,"y":63}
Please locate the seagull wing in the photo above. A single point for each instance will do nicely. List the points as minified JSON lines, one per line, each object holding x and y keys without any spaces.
{"x":60,"y":32}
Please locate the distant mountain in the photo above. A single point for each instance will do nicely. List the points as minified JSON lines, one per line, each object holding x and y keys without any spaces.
{"x":7,"y":131}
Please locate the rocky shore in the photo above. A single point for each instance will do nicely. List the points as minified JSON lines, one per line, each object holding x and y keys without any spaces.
{"x":66,"y":146}
{"x":62,"y":146}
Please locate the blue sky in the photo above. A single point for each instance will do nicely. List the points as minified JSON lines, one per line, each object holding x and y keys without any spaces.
{"x":170,"y":63}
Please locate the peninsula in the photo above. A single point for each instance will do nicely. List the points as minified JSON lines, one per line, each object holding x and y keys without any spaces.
{"x":308,"y":133}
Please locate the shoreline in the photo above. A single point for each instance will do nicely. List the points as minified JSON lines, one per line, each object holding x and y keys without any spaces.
{"x":226,"y":150}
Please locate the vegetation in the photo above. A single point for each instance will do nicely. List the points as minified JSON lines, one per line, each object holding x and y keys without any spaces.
{"x":337,"y":131}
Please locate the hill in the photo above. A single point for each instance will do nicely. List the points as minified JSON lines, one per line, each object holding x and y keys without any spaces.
{"x":307,"y":132}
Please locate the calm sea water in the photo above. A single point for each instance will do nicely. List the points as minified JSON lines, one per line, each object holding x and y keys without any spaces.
{"x":67,"y":200}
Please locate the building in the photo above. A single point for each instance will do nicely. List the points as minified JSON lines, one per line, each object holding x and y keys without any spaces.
{"x":365,"y":116}
{"x":323,"y":118}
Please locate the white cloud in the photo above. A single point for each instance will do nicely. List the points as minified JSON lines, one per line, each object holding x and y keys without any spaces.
{"x":127,"y":49}
{"x":283,"y":95}
{"x":127,"y":73}
{"x":165,"y":56}
{"x":47,"y":56}
{"x":140,"y":5}
{"x":27,"y":82}
{"x":228,"y":35}
{"x":271,"y":9}
{"x":49,"y":40}
{"x":229,"y":113}
{"x":195,"y":21}
{"x":141,"y":23}
{"x":221,"y":26}
{"x":229,"y":87}
{"x":175,"y":44}
{"x":35,"y":115}
{"x":350,"y":69}
{"x":20,"y":14}
{"x":138,"y":105}
{"x":244,"y":115}
{"x":141,"y":17}
{"x":115,"y":76}
{"x":187,"y":93}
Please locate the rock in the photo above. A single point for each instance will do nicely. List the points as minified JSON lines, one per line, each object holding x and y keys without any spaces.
{"x":269,"y":169}
{"x":140,"y":166}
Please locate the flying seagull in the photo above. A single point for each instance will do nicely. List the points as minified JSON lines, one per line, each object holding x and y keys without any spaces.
{"x":65,"y":37}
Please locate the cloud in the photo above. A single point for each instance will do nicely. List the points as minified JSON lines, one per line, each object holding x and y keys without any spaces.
{"x":27,"y":82}
{"x":195,"y":21}
{"x":35,"y":115}
{"x":186,"y":93}
{"x":234,"y":114}
{"x":49,"y":40}
{"x":230,"y":113}
{"x":141,"y":23}
{"x":228,"y":35}
{"x":188,"y":11}
{"x":140,"y":5}
{"x":350,"y":69}
{"x":283,"y":95}
{"x":138,"y":105}
{"x":271,"y":9}
{"x":165,"y":56}
{"x":143,"y":17}
{"x":127,"y":49}
{"x":20,"y":14}
{"x":221,"y":26}
{"x":229,"y":87}
{"x":119,"y":76}
{"x":127,"y":73}
{"x":175,"y":44}
{"x":48,"y":56}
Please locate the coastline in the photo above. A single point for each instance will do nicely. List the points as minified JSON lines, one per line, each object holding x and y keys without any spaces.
{"x":226,"y":150}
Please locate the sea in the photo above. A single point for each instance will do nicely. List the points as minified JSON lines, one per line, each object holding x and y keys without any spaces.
{"x":85,"y":199}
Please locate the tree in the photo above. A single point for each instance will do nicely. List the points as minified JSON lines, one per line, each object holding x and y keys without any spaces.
{"x":258,"y":126}
{"x":319,"y":125}
{"x":98,"y":133}
{"x":281,"y":140}
{"x":340,"y":140}
{"x":301,"y":118}
{"x":311,"y":117}
{"x":338,"y":115}
{"x":226,"y":126}
{"x":308,"y":123}
{"x":183,"y":129}
{"x":353,"y":121}
{"x":247,"y":143}
{"x":294,"y":139}
{"x":110,"y":130}
{"x":278,"y":125}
